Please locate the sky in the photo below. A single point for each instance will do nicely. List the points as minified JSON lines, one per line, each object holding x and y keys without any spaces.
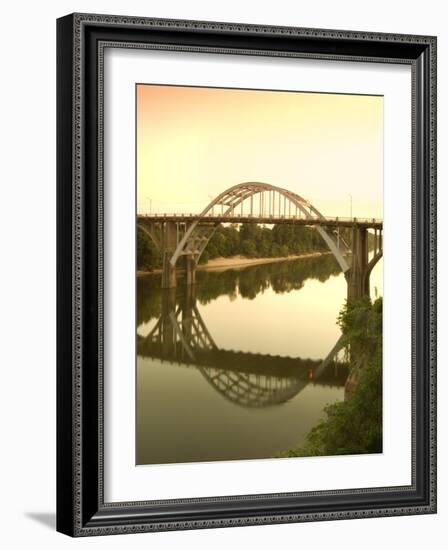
{"x":193,"y":143}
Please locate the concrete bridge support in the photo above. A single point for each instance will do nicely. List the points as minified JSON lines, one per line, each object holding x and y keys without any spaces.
{"x":167,"y":335}
{"x":169,"y":244}
{"x":190,"y":270}
{"x":358,"y":275}
{"x":187,"y":303}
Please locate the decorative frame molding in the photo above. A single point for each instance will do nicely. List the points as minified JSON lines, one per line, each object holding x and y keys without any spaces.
{"x":81,"y":510}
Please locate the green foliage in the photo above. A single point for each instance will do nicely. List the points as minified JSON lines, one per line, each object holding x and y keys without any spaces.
{"x":205,"y":256}
{"x":354,"y":426}
{"x":284,"y":250}
{"x":362,"y":324}
{"x":248,"y":248}
{"x":255,"y":241}
{"x":148,"y":257}
{"x":250,"y":240}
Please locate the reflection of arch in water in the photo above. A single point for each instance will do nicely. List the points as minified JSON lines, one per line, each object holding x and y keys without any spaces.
{"x":254,"y":390}
{"x":180,"y":335}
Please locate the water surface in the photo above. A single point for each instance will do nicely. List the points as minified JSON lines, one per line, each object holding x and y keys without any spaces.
{"x":239,"y":366}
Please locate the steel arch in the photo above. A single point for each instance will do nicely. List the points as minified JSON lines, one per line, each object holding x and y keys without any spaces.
{"x":235,"y":196}
{"x":150,"y":233}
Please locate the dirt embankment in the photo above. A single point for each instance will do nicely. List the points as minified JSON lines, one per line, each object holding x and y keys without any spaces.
{"x":238,"y":262}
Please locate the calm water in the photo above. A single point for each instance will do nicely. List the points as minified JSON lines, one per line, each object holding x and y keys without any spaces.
{"x":241,"y":365}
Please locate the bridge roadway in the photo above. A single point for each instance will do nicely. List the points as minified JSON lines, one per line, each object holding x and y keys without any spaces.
{"x":247,"y":379}
{"x":334,"y":222}
{"x":250,"y":363}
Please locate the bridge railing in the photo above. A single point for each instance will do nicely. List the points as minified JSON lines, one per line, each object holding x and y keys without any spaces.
{"x":234,"y":215}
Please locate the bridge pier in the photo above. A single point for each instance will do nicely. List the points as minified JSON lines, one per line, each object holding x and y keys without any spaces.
{"x":190,"y":270}
{"x":167,"y":335}
{"x":169,"y":244}
{"x":357,"y":276}
{"x":187,"y":303}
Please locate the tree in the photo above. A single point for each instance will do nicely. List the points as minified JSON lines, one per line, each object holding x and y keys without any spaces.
{"x":204,"y":257}
{"x":354,"y":426}
{"x":212,"y":250}
{"x":232,"y":240}
{"x":275,"y":250}
{"x":148,"y":257}
{"x":248,"y":239}
{"x":248,"y":248}
{"x":249,"y":231}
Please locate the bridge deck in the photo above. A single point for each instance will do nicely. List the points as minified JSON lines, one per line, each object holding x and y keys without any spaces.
{"x":369,"y":223}
{"x":241,"y":362}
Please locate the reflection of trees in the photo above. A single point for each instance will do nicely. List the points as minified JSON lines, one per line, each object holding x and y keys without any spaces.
{"x":248,"y":282}
{"x":148,"y":299}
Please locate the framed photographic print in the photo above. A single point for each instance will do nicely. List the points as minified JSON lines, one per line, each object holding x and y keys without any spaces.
{"x":246,"y":274}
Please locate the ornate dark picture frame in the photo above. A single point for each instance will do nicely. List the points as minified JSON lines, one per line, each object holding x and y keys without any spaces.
{"x":81,"y":509}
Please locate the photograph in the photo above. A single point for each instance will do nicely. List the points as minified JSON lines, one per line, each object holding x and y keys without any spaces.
{"x":246,"y":273}
{"x":259,"y":274}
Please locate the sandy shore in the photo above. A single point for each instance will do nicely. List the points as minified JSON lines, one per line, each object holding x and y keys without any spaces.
{"x":236,"y":262}
{"x":239,"y":262}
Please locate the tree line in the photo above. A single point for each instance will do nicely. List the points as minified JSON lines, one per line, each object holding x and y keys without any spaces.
{"x":249,"y":240}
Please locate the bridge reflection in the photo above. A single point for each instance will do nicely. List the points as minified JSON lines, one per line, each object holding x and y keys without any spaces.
{"x":180,"y":336}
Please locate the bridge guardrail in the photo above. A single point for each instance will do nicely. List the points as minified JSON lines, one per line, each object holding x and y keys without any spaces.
{"x":260,"y":216}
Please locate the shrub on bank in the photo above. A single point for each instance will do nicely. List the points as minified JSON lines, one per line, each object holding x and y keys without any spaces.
{"x":354,"y":426}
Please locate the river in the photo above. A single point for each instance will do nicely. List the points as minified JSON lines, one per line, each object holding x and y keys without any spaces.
{"x":238,"y":366}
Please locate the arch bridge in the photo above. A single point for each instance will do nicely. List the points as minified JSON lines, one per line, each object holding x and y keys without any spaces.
{"x":182,"y":238}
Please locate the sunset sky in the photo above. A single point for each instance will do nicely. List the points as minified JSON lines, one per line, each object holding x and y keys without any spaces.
{"x":193,"y":143}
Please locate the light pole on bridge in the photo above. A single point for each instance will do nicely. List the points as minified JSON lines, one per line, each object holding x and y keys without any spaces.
{"x":213,"y":207}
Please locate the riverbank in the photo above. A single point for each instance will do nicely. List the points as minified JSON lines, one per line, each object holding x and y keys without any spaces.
{"x":240,"y":262}
{"x":353,"y":426}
